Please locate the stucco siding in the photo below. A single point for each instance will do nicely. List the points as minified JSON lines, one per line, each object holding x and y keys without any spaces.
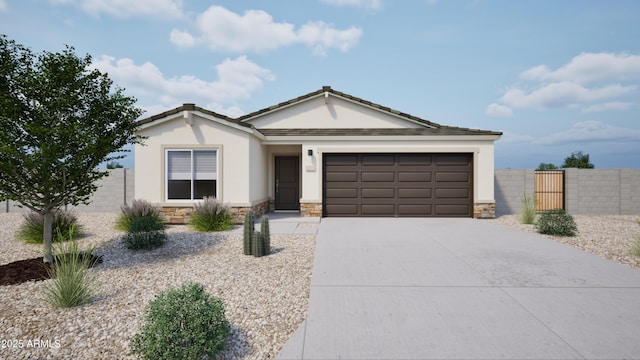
{"x":233,"y":157}
{"x":336,"y":113}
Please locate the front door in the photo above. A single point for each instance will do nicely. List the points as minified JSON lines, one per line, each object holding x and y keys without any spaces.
{"x":287,"y":183}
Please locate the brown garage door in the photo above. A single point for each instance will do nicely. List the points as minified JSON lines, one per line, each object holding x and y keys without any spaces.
{"x":398,"y":185}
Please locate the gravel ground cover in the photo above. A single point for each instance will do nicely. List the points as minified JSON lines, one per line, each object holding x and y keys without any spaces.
{"x":608,"y":236}
{"x":265,"y":298}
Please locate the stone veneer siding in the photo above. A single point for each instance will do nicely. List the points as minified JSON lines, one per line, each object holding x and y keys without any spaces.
{"x":179,"y":215}
{"x":311,"y":209}
{"x":484,"y":210}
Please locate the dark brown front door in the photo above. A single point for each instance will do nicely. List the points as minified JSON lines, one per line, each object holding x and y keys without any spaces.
{"x":287,"y":183}
{"x":398,"y":185}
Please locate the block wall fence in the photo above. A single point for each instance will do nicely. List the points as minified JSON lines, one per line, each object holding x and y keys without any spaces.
{"x":113,"y":191}
{"x":587,"y":191}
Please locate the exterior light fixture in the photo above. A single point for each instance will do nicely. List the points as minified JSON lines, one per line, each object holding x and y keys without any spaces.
{"x":310,"y":152}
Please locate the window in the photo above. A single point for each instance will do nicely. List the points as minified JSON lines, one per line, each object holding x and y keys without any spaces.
{"x":191,"y":174}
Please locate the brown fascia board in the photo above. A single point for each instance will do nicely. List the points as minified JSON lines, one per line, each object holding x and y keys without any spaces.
{"x":189,"y":107}
{"x":445,"y":131}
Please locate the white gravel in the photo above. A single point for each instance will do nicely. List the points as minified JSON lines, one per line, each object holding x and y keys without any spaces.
{"x":265,"y":298}
{"x":608,"y":236}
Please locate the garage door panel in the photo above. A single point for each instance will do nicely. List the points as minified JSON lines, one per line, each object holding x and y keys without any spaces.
{"x":378,"y":160}
{"x":398,"y":185}
{"x":341,"y":176}
{"x":387,"y":176}
{"x":447,"y":177}
{"x":341,"y":160}
{"x":452,"y":159}
{"x":414,"y":176}
{"x":452,"y":193}
{"x":414,"y":159}
{"x":414,"y":193}
{"x":378,"y":209}
{"x":412,"y":210}
{"x":342,"y":193}
{"x":451,"y":209}
{"x":342,"y":209}
{"x":378,"y":193}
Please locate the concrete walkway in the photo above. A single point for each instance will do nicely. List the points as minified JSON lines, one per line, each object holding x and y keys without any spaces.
{"x":462,"y":289}
{"x":288,"y":222}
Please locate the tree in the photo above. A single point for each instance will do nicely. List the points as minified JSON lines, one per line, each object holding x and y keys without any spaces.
{"x":60,"y":119}
{"x":577,"y":160}
{"x":114,"y":165}
{"x":544,"y":166}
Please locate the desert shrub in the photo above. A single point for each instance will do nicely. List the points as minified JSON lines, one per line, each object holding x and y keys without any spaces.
{"x":210,"y":215}
{"x":71,"y":284}
{"x":556,"y":222}
{"x":145,"y":233}
{"x":528,"y":212}
{"x":635,"y":246}
{"x":183,"y":323}
{"x":65,"y":227}
{"x":137,"y":210}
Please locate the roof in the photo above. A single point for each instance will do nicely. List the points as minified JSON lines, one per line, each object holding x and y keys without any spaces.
{"x":429,"y":127}
{"x":190,"y":107}
{"x":376,"y":132}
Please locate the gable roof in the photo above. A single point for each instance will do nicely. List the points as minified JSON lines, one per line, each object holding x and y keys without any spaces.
{"x":190,"y":107}
{"x":428,"y":127}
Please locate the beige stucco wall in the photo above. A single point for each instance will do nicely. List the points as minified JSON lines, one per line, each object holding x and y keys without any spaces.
{"x":233,"y":157}
{"x":335,"y":113}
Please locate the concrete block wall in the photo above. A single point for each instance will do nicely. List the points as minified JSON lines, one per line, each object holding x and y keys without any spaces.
{"x":587,"y":191}
{"x":509,"y":188}
{"x":113,"y":191}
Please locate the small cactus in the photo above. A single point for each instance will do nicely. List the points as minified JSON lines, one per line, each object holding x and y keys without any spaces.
{"x":249,"y":226}
{"x":257,"y":245}
{"x":266,"y":236}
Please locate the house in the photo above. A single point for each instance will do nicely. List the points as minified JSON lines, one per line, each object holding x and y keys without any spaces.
{"x":325,"y":153}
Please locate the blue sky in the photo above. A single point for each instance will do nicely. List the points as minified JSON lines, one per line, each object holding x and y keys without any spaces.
{"x":554,"y":76}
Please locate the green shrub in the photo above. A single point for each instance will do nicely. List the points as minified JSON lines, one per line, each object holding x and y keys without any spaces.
{"x":556,"y":222}
{"x":184,"y":323}
{"x":65,"y":227}
{"x":210,"y":215}
{"x":137,"y":210}
{"x":145,"y":233}
{"x":71,"y":284}
{"x":528,"y":213}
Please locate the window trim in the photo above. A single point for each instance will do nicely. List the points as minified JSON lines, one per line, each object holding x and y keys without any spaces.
{"x":191,"y":149}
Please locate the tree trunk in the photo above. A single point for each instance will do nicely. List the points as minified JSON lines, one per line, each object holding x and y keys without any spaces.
{"x":48,"y":232}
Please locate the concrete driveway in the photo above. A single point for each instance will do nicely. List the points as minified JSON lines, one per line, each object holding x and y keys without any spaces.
{"x":462,"y":289}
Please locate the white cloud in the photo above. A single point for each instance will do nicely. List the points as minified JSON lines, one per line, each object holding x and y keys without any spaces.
{"x":590,"y":81}
{"x":591,"y":131}
{"x":3,"y":5}
{"x":237,"y":79}
{"x":614,"y":105}
{"x":127,"y":8}
{"x":498,"y":110}
{"x":588,"y":68}
{"x":367,"y":4}
{"x":561,"y":94}
{"x":255,"y":30}
{"x":181,"y":38}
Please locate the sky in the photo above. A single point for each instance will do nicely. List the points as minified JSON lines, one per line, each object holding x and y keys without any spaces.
{"x":554,"y":76}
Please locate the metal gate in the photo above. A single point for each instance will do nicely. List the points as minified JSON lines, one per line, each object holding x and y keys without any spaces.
{"x":549,"y":190}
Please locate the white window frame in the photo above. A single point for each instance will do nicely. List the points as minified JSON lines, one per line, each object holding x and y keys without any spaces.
{"x":191,"y":151}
